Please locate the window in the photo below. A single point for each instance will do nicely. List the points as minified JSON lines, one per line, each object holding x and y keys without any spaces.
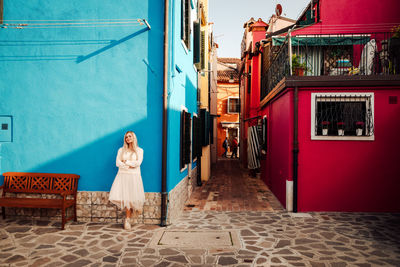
{"x":264,"y":135}
{"x":186,"y":21}
{"x":1,"y":11}
{"x":196,"y":133}
{"x":185,"y":139}
{"x":233,"y":105}
{"x":342,"y":116}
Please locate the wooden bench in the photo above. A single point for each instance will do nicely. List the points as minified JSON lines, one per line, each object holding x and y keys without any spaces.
{"x":57,"y":191}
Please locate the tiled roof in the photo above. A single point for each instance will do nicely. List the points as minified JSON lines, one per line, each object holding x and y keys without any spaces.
{"x":225,"y":75}
{"x":230,"y":60}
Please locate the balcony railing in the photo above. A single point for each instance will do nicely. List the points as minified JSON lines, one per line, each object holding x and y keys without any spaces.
{"x":333,"y":55}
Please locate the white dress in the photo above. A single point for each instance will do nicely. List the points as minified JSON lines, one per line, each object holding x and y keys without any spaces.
{"x":127,"y":189}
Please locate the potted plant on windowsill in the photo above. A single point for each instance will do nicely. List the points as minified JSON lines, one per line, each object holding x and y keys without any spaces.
{"x":340,"y":126}
{"x":297,"y":67}
{"x":325,"y":125}
{"x":359,"y":128}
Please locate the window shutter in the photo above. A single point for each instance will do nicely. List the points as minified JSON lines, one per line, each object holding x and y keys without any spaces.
{"x":205,"y":127}
{"x":182,"y":140}
{"x":264,"y":133}
{"x":187,"y":23}
{"x":187,"y":138}
{"x":196,"y":43}
{"x":1,"y":11}
{"x":196,"y":144}
{"x":183,"y":25}
{"x":203,"y":50}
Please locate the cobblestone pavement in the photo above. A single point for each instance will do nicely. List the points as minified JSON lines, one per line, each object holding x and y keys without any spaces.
{"x":232,"y":189}
{"x":265,"y":239}
{"x":212,"y":233}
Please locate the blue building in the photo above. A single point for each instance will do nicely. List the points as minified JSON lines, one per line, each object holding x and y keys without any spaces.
{"x":76,"y":75}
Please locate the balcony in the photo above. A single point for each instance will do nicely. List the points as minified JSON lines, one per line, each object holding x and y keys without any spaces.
{"x":338,"y":57}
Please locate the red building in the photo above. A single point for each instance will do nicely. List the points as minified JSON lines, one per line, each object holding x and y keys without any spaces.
{"x":330,"y":138}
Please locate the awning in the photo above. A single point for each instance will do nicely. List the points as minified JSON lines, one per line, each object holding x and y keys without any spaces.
{"x":229,"y":124}
{"x":323,"y":40}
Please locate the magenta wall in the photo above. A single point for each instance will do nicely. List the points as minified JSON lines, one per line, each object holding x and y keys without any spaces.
{"x":277,"y":165}
{"x":344,"y":16}
{"x":351,"y":175}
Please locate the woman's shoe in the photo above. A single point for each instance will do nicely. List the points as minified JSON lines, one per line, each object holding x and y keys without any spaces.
{"x":127,"y":224}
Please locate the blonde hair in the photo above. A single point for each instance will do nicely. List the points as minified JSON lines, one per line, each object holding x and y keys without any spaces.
{"x":134,"y":143}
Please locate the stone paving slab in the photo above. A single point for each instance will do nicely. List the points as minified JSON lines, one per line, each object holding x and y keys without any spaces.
{"x":267,"y":239}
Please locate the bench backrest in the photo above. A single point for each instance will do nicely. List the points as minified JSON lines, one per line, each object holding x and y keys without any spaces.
{"x":41,"y":183}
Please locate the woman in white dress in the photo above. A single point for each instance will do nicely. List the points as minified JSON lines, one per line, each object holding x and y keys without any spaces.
{"x":127,"y":190}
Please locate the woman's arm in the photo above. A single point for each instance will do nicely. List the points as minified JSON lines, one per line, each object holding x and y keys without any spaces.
{"x":119,"y":162}
{"x":138,"y":162}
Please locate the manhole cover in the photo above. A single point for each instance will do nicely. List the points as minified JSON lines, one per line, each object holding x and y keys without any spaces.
{"x":196,"y":239}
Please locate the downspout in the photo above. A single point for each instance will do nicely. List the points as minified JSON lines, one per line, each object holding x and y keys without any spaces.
{"x":164,"y":193}
{"x":295,"y":146}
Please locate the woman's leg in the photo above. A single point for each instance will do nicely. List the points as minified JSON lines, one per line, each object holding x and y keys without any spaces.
{"x":127,"y":223}
{"x":128,"y":212}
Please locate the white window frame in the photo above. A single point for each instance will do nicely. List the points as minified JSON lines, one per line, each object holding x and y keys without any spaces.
{"x":227,"y":105}
{"x":345,"y":95}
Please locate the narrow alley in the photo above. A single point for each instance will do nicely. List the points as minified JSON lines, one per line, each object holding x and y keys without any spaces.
{"x":232,"y":189}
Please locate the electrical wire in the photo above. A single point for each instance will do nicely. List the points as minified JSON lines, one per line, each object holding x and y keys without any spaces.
{"x":41,"y":24}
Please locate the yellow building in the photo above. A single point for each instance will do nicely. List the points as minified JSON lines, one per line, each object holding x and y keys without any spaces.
{"x":203,"y":80}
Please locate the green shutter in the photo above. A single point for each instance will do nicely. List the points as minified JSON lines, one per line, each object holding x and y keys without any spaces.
{"x":183,"y":29}
{"x":196,"y":42}
{"x":203,"y":50}
{"x":187,"y":138}
{"x":182,"y":140}
{"x":188,"y":19}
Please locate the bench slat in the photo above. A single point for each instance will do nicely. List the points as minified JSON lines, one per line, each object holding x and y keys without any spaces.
{"x":35,"y":203}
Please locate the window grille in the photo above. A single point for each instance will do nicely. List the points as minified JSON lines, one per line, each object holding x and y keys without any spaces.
{"x":233,"y":105}
{"x":343,"y":115}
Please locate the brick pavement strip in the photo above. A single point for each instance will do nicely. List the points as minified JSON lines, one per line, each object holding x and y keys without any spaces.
{"x":266,"y":239}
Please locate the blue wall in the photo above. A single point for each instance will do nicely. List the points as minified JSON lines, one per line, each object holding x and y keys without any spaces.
{"x":182,"y":92}
{"x":73,"y":92}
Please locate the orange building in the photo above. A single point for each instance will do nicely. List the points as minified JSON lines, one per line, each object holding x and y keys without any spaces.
{"x":228,"y":102}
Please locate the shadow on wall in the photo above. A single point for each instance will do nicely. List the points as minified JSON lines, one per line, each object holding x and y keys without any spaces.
{"x":95,"y":162}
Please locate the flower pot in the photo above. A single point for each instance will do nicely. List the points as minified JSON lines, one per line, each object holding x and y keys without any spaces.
{"x":340,"y":132}
{"x":359,"y":131}
{"x":324,"y":131}
{"x":298,"y":71}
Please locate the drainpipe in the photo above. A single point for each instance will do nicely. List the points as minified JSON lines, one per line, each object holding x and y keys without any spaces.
{"x":164,"y":193}
{"x":295,"y":146}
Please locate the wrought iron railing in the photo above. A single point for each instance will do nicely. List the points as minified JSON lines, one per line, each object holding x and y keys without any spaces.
{"x":330,"y":55}
{"x":275,"y":67}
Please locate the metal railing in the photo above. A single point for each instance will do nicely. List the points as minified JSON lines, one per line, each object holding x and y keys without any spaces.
{"x":330,"y":55}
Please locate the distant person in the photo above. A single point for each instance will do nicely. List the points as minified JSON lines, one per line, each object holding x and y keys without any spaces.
{"x":127,"y":190}
{"x":235,"y":145}
{"x":225,"y":146}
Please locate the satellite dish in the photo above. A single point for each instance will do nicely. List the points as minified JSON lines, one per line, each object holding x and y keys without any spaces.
{"x":278,"y":10}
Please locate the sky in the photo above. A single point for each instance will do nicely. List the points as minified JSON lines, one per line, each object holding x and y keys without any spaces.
{"x":229,"y":16}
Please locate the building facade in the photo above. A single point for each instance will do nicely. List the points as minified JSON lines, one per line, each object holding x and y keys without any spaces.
{"x":228,"y":102}
{"x":325,"y":132}
{"x":75,"y":79}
